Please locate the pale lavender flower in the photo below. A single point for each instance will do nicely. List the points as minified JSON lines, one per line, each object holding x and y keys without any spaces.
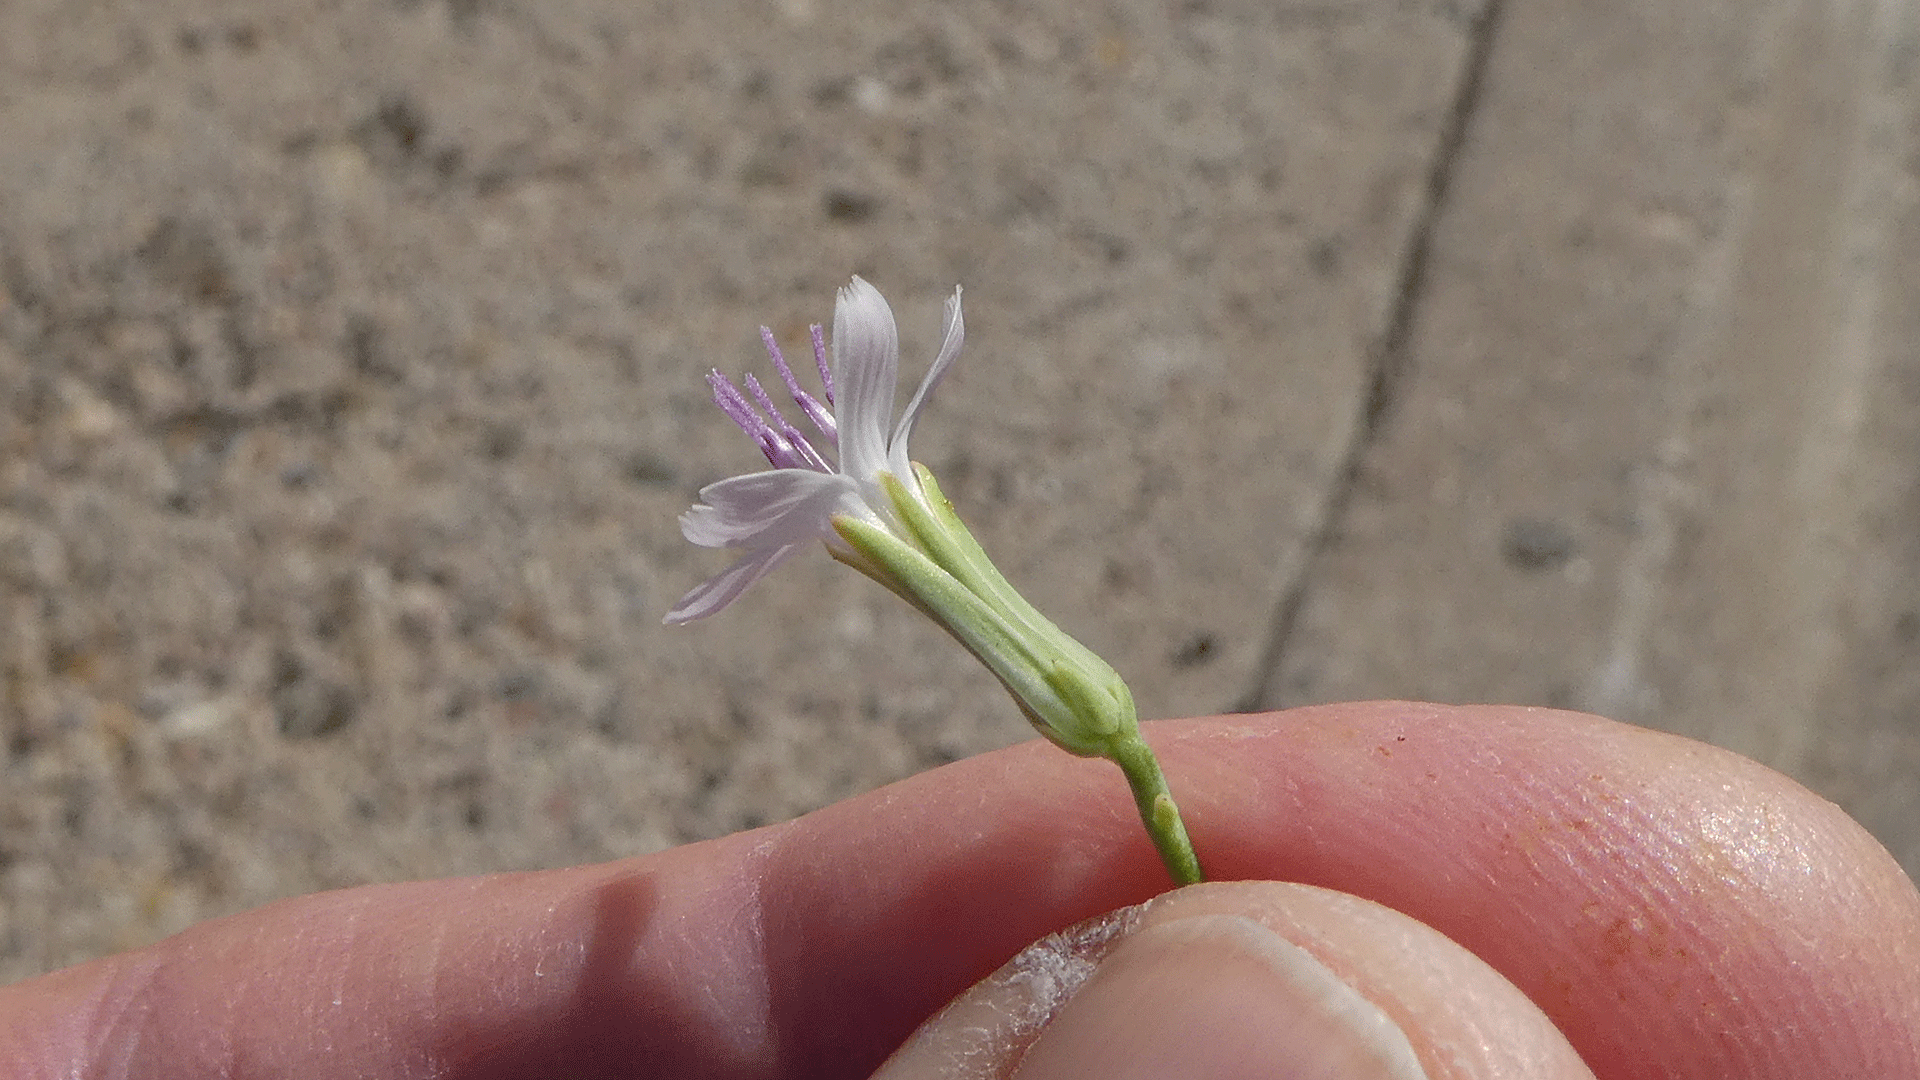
{"x":854,"y":490}
{"x":773,"y":514}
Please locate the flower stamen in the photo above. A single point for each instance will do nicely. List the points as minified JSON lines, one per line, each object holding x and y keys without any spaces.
{"x":779,"y":451}
{"x":795,"y":438}
{"x":821,"y":415}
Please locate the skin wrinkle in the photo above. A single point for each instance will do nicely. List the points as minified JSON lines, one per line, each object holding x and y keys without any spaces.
{"x":717,"y":943}
{"x":350,"y":929}
{"x":564,"y":990}
{"x":116,"y":1017}
{"x":756,"y":939}
{"x":227,"y":1052}
{"x":319,"y":990}
{"x":556,"y":954}
{"x":436,"y":961}
{"x":748,"y":1009}
{"x":354,"y":933}
{"x":221,"y":1047}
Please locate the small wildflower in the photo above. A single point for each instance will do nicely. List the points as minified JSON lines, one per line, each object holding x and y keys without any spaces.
{"x":773,"y":514}
{"x":851,"y":486}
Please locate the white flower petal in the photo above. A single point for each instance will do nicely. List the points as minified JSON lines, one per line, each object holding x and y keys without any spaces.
{"x":866,"y":363}
{"x":774,"y":513}
{"x":723,"y":588}
{"x":766,"y":509}
{"x":952,"y":333}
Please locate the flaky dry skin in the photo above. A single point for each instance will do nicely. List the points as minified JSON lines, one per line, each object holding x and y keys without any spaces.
{"x":983,"y":1033}
{"x":1676,"y":910}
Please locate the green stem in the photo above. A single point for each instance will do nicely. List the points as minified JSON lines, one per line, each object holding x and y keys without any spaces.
{"x":1157,"y":811}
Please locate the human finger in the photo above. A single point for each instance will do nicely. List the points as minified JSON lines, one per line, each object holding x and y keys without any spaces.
{"x":1675,"y":909}
{"x":1242,"y":979}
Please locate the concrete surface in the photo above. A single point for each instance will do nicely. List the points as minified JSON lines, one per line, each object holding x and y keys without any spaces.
{"x":1541,"y":352}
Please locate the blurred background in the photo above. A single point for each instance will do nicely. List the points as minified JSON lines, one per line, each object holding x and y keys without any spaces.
{"x":1534,"y":351}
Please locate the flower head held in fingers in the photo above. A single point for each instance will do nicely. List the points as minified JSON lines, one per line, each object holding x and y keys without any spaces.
{"x":850,"y":485}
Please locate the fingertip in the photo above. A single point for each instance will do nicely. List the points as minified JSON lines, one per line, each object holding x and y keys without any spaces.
{"x":1215,"y":996}
{"x":1240,"y":979}
{"x":1608,"y":870}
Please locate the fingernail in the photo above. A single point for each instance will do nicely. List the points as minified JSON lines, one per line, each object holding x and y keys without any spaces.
{"x":1218,"y":996}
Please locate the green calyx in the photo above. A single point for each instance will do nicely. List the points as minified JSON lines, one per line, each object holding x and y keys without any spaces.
{"x":1069,"y":694}
{"x":930,"y":560}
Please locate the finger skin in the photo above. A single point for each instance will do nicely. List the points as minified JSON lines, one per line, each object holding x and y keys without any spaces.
{"x":1677,"y":910}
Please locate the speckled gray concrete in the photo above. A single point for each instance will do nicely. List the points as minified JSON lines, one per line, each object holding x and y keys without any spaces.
{"x":353,"y":359}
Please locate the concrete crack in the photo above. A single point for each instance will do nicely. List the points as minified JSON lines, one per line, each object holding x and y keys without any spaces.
{"x":1389,"y":361}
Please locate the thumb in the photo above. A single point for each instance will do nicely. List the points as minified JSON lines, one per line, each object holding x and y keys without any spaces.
{"x":1242,"y":979}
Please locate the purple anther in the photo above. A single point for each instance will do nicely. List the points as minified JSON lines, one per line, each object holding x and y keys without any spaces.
{"x":734,"y":404}
{"x":773,"y":348}
{"x":779,"y":450}
{"x":795,"y":439}
{"x":766,"y":403}
{"x":820,"y":360}
{"x":820,"y":415}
